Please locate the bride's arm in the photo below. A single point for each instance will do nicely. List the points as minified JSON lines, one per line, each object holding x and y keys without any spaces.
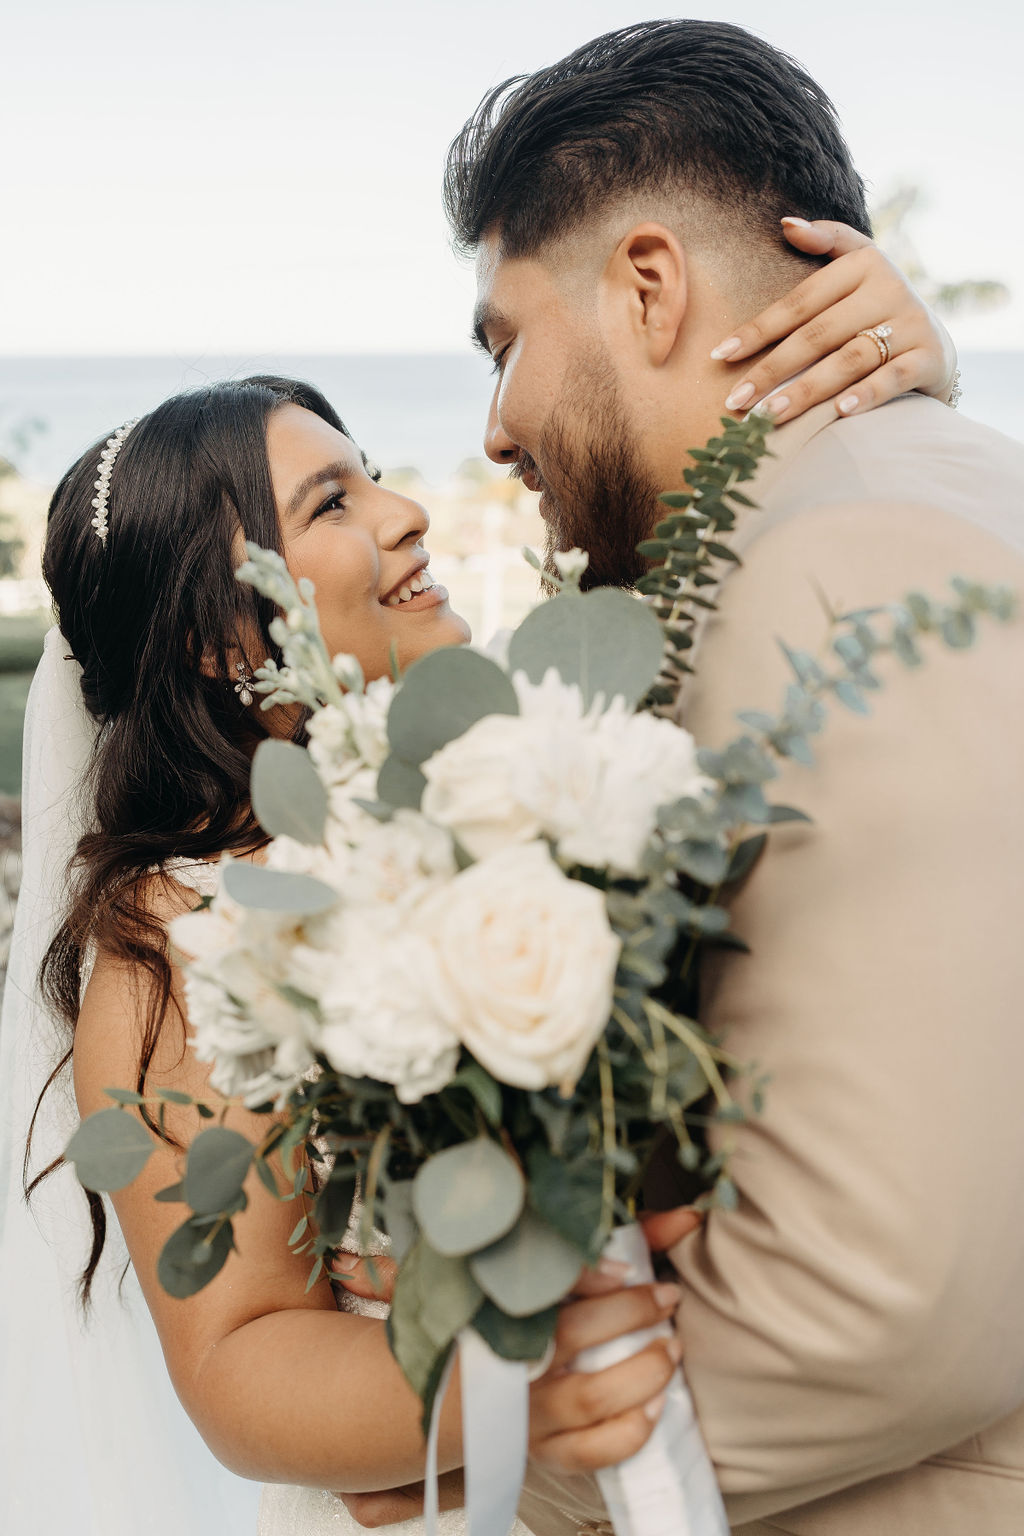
{"x":282,"y":1386}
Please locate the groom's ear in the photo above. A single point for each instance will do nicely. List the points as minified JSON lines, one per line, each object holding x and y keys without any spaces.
{"x":647,"y":273}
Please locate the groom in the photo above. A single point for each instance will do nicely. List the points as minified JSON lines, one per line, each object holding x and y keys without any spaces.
{"x":855,"y":1329}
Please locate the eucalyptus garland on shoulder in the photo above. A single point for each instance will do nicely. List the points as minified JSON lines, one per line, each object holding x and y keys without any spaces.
{"x":463,"y":983}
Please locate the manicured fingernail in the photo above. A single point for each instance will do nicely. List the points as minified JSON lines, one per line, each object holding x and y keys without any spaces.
{"x":773,"y":407}
{"x":800,"y":223}
{"x":674,"y":1348}
{"x":345,"y":1263}
{"x":740,"y":397}
{"x":652,"y":1410}
{"x":726,"y":349}
{"x":848,"y":403}
{"x":668,"y":1295}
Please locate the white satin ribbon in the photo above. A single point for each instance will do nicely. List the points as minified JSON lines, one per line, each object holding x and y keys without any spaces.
{"x":495,"y":1428}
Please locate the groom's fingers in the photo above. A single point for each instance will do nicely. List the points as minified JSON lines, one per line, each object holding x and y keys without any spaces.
{"x":596,"y":1319}
{"x":603,"y":1445}
{"x":663,"y":1229}
{"x":576,"y":1400}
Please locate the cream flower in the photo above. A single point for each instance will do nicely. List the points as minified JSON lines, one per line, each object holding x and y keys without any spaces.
{"x":260,"y":1044}
{"x":365,"y":972}
{"x":521,"y":962}
{"x":592,"y":779}
{"x":474,"y":785}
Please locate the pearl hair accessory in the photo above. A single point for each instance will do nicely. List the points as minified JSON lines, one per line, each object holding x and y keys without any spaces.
{"x":102,"y":486}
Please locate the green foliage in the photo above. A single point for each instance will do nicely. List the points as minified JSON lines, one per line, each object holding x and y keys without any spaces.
{"x":193,"y":1256}
{"x":400,"y":783}
{"x":288,"y":796}
{"x":603,"y":640}
{"x":277,"y":890}
{"x":688,"y":548}
{"x":109,"y":1149}
{"x":468,"y":1196}
{"x":530,"y":1268}
{"x":516,"y":1338}
{"x":216,"y":1168}
{"x":442,"y":695}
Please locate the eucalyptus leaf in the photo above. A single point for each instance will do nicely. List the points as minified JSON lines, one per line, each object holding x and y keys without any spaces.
{"x":485,"y":1092}
{"x":288,"y":797}
{"x":745,"y":855}
{"x":530,"y":1268}
{"x":186,"y":1263}
{"x":605,"y":640}
{"x":277,"y":890}
{"x":516,"y":1338}
{"x":124,"y":1096}
{"x":442,"y":695}
{"x":781,"y":813}
{"x":109,"y":1149}
{"x":467,"y":1196}
{"x":399,"y":1221}
{"x":958,"y":630}
{"x":333,"y":1208}
{"x":174,"y":1193}
{"x":215,"y":1170}
{"x":567,"y":1195}
{"x":411,"y":1345}
{"x":400,"y":784}
{"x":449,"y":1295}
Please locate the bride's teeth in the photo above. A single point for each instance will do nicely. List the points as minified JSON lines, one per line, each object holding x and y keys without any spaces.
{"x":416,"y":585}
{"x":404,"y":594}
{"x":426,"y":581}
{"x":394,"y":600}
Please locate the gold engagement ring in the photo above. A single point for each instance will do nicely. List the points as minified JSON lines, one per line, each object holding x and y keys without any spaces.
{"x":878,"y":334}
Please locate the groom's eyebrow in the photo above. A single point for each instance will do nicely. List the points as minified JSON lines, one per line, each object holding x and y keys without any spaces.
{"x":487,"y":319}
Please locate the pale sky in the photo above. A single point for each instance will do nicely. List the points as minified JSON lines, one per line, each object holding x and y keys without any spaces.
{"x":223,"y":176}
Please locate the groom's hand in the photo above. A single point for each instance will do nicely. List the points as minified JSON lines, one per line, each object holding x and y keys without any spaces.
{"x":579,"y":1421}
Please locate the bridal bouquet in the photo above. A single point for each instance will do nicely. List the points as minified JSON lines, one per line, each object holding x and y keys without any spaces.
{"x":462,"y":984}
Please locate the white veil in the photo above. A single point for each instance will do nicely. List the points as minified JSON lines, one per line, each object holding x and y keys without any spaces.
{"x":92,"y":1438}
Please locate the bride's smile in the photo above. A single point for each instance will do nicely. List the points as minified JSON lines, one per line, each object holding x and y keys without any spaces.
{"x":359,"y":543}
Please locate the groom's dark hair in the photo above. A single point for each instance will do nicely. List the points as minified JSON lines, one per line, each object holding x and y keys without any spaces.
{"x":664,"y":106}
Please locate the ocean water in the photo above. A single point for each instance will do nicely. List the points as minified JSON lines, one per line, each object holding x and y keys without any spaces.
{"x":426,"y":412}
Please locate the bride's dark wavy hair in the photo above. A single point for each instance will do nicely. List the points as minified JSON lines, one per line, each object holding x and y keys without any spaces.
{"x":152,"y":617}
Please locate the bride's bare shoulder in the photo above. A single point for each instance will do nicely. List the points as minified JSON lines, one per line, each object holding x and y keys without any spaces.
{"x":120,"y":1002}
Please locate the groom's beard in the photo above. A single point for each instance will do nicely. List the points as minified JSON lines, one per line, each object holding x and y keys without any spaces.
{"x":598,"y":493}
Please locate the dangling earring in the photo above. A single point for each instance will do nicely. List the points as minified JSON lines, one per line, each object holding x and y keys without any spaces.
{"x":244,"y":685}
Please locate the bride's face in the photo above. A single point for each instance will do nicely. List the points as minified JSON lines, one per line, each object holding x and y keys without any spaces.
{"x":359,"y":544}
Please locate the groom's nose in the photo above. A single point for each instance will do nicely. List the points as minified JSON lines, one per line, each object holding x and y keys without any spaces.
{"x":498,"y":446}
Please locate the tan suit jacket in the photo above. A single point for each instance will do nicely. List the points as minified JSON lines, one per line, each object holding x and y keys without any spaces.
{"x":854,"y":1331}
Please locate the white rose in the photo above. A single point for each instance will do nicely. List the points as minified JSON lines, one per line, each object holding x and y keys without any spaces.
{"x":522,"y":964}
{"x":474,"y":785}
{"x":365,"y":972}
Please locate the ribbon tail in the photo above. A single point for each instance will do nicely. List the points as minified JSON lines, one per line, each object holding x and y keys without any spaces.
{"x":430,"y":1476}
{"x":495,"y":1429}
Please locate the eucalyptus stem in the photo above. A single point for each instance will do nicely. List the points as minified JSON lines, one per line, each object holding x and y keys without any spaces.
{"x":604,"y":1067}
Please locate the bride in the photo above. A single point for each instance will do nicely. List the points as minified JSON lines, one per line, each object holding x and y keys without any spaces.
{"x":140,"y":731}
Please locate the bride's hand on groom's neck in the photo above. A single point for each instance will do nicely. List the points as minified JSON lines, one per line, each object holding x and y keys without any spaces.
{"x":815,"y":333}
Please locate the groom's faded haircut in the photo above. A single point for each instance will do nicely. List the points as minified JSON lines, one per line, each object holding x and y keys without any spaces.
{"x":663,"y":107}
